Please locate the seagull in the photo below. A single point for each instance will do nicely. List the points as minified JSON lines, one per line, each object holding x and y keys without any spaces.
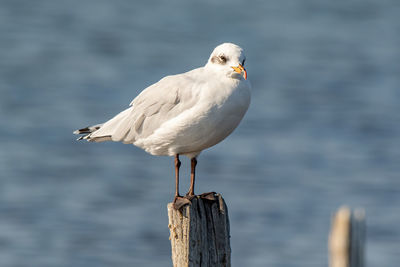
{"x":183,"y":114}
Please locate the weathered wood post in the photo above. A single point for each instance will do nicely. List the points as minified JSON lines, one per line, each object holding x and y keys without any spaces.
{"x":347,"y":238}
{"x":199,"y":233}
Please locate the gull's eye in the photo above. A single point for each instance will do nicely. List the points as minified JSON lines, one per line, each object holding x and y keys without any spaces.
{"x":222,"y":59}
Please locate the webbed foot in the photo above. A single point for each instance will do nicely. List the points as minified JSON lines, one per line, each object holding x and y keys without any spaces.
{"x":180,"y":201}
{"x":209,"y":196}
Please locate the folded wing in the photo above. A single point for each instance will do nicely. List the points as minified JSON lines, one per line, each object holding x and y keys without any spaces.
{"x":154,"y":106}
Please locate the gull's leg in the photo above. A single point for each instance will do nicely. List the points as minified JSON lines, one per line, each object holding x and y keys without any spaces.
{"x":193,"y":163}
{"x":179,"y":201}
{"x":177,"y":166}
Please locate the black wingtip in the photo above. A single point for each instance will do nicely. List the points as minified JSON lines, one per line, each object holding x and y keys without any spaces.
{"x":84,"y":131}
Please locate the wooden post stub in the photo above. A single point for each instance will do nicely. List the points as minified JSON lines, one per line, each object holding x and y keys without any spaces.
{"x":199,"y":233}
{"x":347,"y":238}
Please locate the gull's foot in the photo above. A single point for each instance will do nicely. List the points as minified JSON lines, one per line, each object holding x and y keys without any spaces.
{"x":190,"y":197}
{"x":179,"y":202}
{"x":209,"y":196}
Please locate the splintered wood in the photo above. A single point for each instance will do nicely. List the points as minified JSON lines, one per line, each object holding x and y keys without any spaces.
{"x":199,"y":233}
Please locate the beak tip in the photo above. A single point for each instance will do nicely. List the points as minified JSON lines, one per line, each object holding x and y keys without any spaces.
{"x":240,"y":69}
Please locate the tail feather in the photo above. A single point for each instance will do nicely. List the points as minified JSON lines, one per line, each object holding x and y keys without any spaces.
{"x":87,"y":131}
{"x":113,"y":130}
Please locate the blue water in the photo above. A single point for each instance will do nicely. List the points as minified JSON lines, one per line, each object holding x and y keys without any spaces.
{"x":322,"y":130}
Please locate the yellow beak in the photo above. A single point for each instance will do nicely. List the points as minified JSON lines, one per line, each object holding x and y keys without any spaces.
{"x":240,"y":69}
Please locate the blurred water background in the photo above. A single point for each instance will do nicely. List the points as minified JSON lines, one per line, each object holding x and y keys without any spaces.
{"x":322,"y":130}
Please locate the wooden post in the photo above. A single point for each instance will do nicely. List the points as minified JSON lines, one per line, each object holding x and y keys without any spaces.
{"x":199,"y":233}
{"x":347,"y":238}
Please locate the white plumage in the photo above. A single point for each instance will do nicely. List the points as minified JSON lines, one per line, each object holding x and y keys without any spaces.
{"x":186,"y":113}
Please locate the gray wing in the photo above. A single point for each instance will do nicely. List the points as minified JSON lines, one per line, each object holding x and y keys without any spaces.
{"x":154,"y":106}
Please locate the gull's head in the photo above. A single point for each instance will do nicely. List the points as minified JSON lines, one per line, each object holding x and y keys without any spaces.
{"x":228,"y":58}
